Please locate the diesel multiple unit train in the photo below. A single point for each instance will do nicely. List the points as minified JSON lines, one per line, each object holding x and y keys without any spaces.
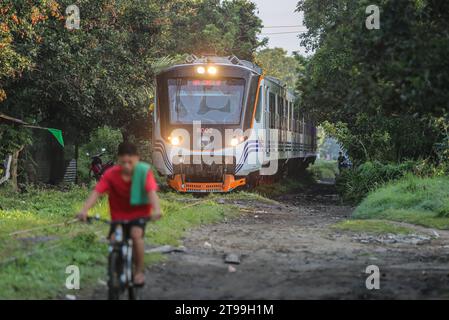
{"x":220,"y":124}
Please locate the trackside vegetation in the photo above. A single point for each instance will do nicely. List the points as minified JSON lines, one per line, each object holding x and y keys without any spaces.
{"x":324,"y":170}
{"x":421,"y":201}
{"x":39,"y":237}
{"x":355,"y":184}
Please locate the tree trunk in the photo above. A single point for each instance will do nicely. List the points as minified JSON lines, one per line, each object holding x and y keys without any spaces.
{"x":14,"y":169}
{"x":7,"y":173}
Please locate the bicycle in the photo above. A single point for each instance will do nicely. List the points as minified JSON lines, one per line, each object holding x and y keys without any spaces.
{"x":120,"y":260}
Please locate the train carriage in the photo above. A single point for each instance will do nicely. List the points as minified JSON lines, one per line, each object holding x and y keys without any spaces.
{"x":220,"y":124}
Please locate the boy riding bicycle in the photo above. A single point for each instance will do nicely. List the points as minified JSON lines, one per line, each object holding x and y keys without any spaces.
{"x":131,"y":190}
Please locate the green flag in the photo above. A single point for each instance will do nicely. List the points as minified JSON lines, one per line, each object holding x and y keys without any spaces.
{"x":58,"y":135}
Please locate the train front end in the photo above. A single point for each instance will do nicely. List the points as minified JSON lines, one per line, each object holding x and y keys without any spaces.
{"x":202,"y":112}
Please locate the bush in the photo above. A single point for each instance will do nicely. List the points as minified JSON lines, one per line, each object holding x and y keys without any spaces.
{"x":355,"y":184}
{"x":423,"y":201}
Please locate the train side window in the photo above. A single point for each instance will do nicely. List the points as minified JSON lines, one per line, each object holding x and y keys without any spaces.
{"x":293,"y":117}
{"x":285,"y":120}
{"x":298,"y":122}
{"x":272,"y":106}
{"x":281,"y":113}
{"x":290,"y":116}
{"x":266,"y":100}
{"x":259,"y":105}
{"x":154,"y":105}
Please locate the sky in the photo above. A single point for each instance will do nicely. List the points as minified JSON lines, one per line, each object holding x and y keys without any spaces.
{"x":282,"y":13}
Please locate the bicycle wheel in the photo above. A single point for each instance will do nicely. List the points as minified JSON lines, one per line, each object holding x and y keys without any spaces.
{"x":132,"y":291}
{"x":114,"y":276}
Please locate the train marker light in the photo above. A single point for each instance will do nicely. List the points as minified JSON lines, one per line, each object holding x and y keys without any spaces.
{"x":234,"y":142}
{"x":201,"y":70}
{"x":212,"y":70}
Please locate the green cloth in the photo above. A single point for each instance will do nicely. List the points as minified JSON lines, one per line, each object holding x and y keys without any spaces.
{"x":139,"y":195}
{"x":57,"y":134}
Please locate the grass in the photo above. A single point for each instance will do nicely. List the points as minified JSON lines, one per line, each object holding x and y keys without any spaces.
{"x":420,"y":201}
{"x":34,"y":269}
{"x":324,"y":170}
{"x":371,"y":226}
{"x":30,"y":268}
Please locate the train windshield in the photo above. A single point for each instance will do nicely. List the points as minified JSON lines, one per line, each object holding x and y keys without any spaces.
{"x":208,"y":101}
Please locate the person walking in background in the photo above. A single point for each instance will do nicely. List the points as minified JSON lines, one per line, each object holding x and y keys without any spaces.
{"x":341,"y":161}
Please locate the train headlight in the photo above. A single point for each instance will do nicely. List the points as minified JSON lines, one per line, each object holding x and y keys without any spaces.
{"x":175,"y":141}
{"x":212,"y":71}
{"x":201,"y":70}
{"x":234,"y":142}
{"x":237,"y":140}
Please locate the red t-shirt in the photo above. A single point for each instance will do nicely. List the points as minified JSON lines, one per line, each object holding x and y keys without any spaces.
{"x":119,"y":192}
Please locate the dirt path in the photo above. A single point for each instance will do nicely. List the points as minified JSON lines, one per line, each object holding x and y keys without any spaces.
{"x":289,"y":251}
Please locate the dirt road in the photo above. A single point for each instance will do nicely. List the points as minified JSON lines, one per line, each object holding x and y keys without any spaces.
{"x":289,"y":251}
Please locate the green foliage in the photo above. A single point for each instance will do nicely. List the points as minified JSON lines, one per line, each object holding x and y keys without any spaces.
{"x":324,"y":170}
{"x":81,"y":79}
{"x":355,"y":184}
{"x":103,"y":73}
{"x":278,"y":64}
{"x":380,"y":90}
{"x":423,"y":201}
{"x":215,"y":27}
{"x":12,"y":138}
{"x":21,"y":25}
{"x":33,"y":264}
{"x":442,"y":147}
{"x":102,"y":138}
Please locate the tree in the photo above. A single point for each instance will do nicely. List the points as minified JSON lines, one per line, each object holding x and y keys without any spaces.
{"x":215,"y":27}
{"x":103,"y":73}
{"x":100,"y":73}
{"x":80,"y":79}
{"x":21,"y":26}
{"x":278,"y":64}
{"x":383,"y":88}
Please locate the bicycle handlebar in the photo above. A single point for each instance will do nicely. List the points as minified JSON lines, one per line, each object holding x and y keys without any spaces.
{"x":97,"y":218}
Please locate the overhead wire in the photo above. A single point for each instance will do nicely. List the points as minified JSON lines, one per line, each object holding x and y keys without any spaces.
{"x":286,"y":32}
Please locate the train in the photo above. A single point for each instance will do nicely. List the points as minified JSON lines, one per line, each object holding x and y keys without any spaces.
{"x":220,"y":124}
